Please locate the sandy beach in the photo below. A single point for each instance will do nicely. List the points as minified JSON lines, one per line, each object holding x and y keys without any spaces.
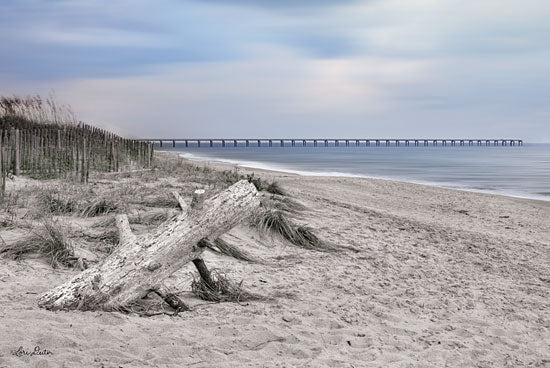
{"x":424,"y":277}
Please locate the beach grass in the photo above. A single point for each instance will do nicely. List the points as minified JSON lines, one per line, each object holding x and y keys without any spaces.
{"x":99,"y":207}
{"x":49,"y":240}
{"x":57,"y":204}
{"x":275,"y":221}
{"x":221,"y":289}
{"x":220,"y":246}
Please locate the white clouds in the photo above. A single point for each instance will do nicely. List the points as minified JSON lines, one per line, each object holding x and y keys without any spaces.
{"x":387,"y":67}
{"x":90,"y":36}
{"x":450,"y":27}
{"x":242,"y":97}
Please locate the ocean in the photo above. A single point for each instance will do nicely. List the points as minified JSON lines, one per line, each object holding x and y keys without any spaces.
{"x":518,"y":171}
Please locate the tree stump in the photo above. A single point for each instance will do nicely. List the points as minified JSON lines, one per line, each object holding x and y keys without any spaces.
{"x":141,"y":263}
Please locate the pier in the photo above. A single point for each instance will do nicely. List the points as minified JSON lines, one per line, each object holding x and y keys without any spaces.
{"x":332,"y":142}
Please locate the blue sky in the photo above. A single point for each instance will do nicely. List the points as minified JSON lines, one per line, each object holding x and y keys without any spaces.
{"x":190,"y":68}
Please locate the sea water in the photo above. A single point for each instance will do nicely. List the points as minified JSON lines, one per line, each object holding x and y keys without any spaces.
{"x":519,"y":171}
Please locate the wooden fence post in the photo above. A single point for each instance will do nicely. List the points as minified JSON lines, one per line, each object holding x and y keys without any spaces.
{"x":17,"y":153}
{"x":84,"y":171}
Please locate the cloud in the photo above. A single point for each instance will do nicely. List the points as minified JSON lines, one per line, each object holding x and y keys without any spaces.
{"x":291,"y":92}
{"x":213,"y":66}
{"x":273,"y":4}
{"x":436,"y":28}
{"x":61,"y":39}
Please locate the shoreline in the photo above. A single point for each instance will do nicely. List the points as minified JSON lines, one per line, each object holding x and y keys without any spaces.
{"x":250,"y":166}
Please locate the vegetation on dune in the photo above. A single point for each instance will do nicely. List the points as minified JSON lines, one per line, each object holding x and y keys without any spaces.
{"x":285,"y":204}
{"x":220,"y":289}
{"x":7,"y":211}
{"x":41,"y":139}
{"x":49,"y":241}
{"x":220,"y":246}
{"x":275,"y":188}
{"x":58,"y":204}
{"x":166,"y":201}
{"x":275,"y":221}
{"x":109,"y":237}
{"x":100,"y":206}
{"x":261,"y":185}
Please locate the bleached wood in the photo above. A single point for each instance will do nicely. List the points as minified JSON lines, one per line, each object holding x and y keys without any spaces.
{"x":17,"y":153}
{"x":198,"y":199}
{"x":140,"y":265}
{"x":125,"y":233}
{"x":180,"y":200}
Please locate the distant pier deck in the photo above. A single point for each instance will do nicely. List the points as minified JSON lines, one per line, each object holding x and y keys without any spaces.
{"x":330,"y":142}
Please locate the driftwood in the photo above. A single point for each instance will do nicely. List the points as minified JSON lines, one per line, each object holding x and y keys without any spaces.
{"x":141,"y":263}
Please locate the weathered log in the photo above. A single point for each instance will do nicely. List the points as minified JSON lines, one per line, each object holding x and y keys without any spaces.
{"x":141,"y":264}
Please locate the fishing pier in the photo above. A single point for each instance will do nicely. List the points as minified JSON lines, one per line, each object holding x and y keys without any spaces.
{"x":329,"y":142}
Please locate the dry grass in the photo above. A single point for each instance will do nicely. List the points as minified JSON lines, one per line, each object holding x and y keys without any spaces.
{"x":305,"y":238}
{"x":108,"y":237}
{"x":98,"y":207}
{"x":275,"y":188}
{"x":7,"y":211}
{"x":164,"y":201}
{"x":261,"y":185}
{"x":285,"y":204}
{"x":7,"y":221}
{"x":151,"y":219}
{"x":276,"y":222}
{"x":230,"y":177}
{"x":49,"y":240}
{"x":220,"y":246}
{"x":223,"y":289}
{"x":57,"y":204}
{"x":157,"y":218}
{"x":256,"y":181}
{"x":105,"y":222}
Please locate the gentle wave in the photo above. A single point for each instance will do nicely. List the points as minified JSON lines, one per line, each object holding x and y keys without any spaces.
{"x":269,"y":167}
{"x":544,"y":196}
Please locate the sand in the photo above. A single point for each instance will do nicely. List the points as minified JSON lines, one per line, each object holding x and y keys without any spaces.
{"x":427,"y":277}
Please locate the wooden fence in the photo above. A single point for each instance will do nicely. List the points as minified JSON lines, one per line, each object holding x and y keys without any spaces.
{"x":64,"y":150}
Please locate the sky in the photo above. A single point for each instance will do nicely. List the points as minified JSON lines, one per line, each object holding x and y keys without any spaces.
{"x":302,"y":68}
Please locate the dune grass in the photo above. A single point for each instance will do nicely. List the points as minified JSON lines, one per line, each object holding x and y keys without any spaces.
{"x":220,"y":246}
{"x":163,"y":201}
{"x":8,"y":218}
{"x":275,"y":188}
{"x":49,"y":241}
{"x":222,"y":290}
{"x":7,"y":221}
{"x":262,"y":185}
{"x":57,"y":204}
{"x":99,"y":207}
{"x":109,"y":237}
{"x":285,"y":204}
{"x":275,"y":221}
{"x":150,"y":219}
